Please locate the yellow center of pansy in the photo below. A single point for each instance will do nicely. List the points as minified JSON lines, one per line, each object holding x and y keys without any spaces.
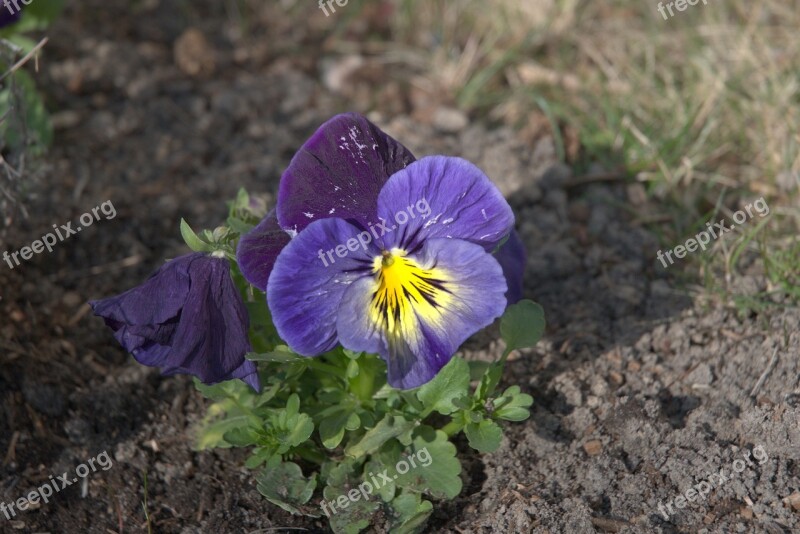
{"x":403,"y":289}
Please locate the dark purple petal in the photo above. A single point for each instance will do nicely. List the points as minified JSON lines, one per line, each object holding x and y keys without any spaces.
{"x":339,"y":172}
{"x":8,"y":15}
{"x":138,"y":315}
{"x":464,"y":293}
{"x":187,"y":318}
{"x":440,"y":196}
{"x":309,"y":279}
{"x":259,"y":248}
{"x":512,"y":259}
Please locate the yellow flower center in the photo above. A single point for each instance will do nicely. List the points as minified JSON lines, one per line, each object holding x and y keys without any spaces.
{"x":402,"y":289}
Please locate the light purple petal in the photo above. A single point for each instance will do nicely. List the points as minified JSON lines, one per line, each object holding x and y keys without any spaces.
{"x":307,"y":284}
{"x":259,"y":248}
{"x":440,"y":196}
{"x":467,"y":287}
{"x":339,"y":172}
{"x":513,"y":259}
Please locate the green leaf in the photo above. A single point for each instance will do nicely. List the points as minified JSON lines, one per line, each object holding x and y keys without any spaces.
{"x":296,"y":432}
{"x":46,"y":10}
{"x":275,"y":356}
{"x":241,"y":436}
{"x":212,"y":435}
{"x":350,"y":510}
{"x":387,"y":428}
{"x":332,"y":428}
{"x":410,"y":513}
{"x":437,"y":467}
{"x":477,"y":368}
{"x":450,"y":383}
{"x":512,"y":405}
{"x":522,"y":325}
{"x":484,"y":436}
{"x":285,"y":486}
{"x":29,"y":124}
{"x":259,"y":456}
{"x":192,"y":240}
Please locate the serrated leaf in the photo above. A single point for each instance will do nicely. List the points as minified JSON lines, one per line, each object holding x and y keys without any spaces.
{"x":450,"y":383}
{"x":410,"y":512}
{"x":192,"y":240}
{"x":484,"y":436}
{"x":348,"y":510}
{"x":522,"y":325}
{"x":437,"y":467}
{"x":387,"y":428}
{"x":285,"y":486}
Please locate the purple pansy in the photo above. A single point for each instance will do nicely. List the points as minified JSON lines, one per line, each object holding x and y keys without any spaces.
{"x":188,"y":317}
{"x":390,"y":255}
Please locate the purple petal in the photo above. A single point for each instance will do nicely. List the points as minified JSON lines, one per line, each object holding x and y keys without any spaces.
{"x":259,"y":248}
{"x":187,"y":318}
{"x":8,"y":17}
{"x":512,"y":259}
{"x":452,"y":290}
{"x":339,"y":172}
{"x":440,"y":196}
{"x":309,"y":279}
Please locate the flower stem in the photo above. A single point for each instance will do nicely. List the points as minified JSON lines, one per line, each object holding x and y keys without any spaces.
{"x":452,"y":428}
{"x":325,"y":367}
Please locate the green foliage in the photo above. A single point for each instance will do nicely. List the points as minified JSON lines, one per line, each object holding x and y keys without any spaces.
{"x":332,"y":422}
{"x":25,"y":126}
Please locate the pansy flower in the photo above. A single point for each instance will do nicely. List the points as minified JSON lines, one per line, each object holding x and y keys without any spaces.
{"x":187,"y":318}
{"x":387,"y":254}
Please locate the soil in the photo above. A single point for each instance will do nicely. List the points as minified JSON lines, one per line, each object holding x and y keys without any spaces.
{"x":642,"y":388}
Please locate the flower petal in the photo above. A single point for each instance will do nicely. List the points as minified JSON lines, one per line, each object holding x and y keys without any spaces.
{"x":210,"y":340}
{"x":309,"y":279}
{"x":513,"y":258}
{"x":259,"y":248}
{"x":421,"y":308}
{"x":441,"y":196}
{"x":339,"y":172}
{"x":187,"y":318}
{"x":151,"y":309}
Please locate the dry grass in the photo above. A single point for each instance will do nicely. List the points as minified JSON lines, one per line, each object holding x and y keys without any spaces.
{"x":703,"y":108}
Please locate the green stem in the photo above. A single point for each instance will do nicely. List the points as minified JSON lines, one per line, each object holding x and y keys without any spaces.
{"x":452,"y":428}
{"x":311,"y":455}
{"x":325,"y":367}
